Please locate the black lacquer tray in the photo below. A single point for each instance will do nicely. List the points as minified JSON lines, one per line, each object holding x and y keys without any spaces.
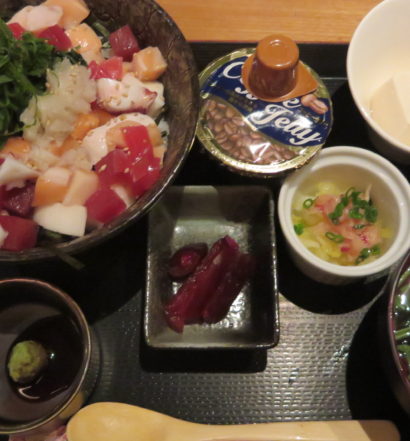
{"x":327,"y":364}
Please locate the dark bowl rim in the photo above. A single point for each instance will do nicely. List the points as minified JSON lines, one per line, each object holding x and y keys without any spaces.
{"x":390,"y":318}
{"x":142,"y":205}
{"x":82,"y":323}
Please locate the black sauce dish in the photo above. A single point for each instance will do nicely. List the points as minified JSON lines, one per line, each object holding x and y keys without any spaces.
{"x":395,"y":332}
{"x":33,"y":310}
{"x":153,"y":27}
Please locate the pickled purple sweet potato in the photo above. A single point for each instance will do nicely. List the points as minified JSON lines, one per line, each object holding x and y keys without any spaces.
{"x":188,"y":303}
{"x":240,"y":270}
{"x":185,"y":260}
{"x":210,"y":290}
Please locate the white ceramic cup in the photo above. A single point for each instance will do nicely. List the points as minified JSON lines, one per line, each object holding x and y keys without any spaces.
{"x":379,"y":48}
{"x":350,"y":167}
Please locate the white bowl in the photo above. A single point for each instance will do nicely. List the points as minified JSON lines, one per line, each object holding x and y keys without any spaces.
{"x":380,"y":47}
{"x":350,"y":167}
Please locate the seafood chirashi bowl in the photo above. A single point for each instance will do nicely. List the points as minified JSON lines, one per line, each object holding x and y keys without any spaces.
{"x":99,"y":106}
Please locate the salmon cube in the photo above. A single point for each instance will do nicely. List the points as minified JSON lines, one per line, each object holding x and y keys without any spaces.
{"x":74,"y":11}
{"x":148,"y":64}
{"x":17,"y":146}
{"x":154,"y":135}
{"x":85,"y":122}
{"x":68,"y":144}
{"x":82,"y":185}
{"x":159,"y":152}
{"x":51,"y":186}
{"x":84,"y":39}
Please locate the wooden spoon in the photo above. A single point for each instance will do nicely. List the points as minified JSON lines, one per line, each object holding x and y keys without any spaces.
{"x":124,"y":422}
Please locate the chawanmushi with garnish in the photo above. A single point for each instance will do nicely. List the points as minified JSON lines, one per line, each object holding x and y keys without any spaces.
{"x":341,"y":227}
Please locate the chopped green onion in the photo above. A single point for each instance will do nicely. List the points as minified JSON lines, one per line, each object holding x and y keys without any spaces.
{"x":299,"y":229}
{"x":101,"y":29}
{"x":338,"y":238}
{"x":364,"y":254}
{"x":338,"y":211}
{"x":349,"y":192}
{"x":355,"y":213}
{"x":334,"y":219}
{"x":344,"y":200}
{"x":400,"y":334}
{"x":367,"y":252}
{"x":376,"y":250}
{"x":361,"y":203}
{"x":308,"y":203}
{"x":371,"y":214}
{"x":355,"y":197}
{"x":65,"y":257}
{"x":359,"y":226}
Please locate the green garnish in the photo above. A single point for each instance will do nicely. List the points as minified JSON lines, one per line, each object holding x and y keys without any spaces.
{"x":338,"y":238}
{"x":308,"y":203}
{"x":400,"y":334}
{"x":349,"y":192}
{"x":367,"y":252}
{"x":361,"y":208}
{"x":404,"y":349}
{"x":338,"y":211}
{"x":103,"y":33}
{"x":355,"y":197}
{"x":376,"y":250}
{"x":299,"y":229}
{"x":67,"y":258}
{"x":101,"y":29}
{"x":359,"y":226}
{"x":23,"y":67}
{"x":50,"y":239}
{"x":355,"y":213}
{"x":371,"y":214}
{"x":344,"y":200}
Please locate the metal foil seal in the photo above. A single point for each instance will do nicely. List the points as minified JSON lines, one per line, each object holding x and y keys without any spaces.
{"x":260,"y":137}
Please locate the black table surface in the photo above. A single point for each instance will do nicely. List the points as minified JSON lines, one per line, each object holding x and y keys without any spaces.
{"x":327,"y":364}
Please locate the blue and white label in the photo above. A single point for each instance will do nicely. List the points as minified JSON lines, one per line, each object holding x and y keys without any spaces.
{"x":295,"y":122}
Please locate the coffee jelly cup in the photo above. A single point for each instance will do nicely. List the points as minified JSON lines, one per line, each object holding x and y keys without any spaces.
{"x":263,"y":111}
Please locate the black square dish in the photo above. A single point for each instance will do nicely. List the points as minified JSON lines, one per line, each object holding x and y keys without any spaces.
{"x":204,"y":214}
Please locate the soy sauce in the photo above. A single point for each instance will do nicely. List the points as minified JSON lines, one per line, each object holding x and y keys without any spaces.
{"x":61,"y":339}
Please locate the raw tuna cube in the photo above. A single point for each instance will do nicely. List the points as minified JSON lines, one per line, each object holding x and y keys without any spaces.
{"x":111,"y":168}
{"x":17,"y":30}
{"x":104,"y":205}
{"x":22,"y":233}
{"x":111,"y":68}
{"x":138,"y":141}
{"x":123,"y":43}
{"x":56,"y":36}
{"x":143,"y":175}
{"x":152,"y":175}
{"x":19,"y":201}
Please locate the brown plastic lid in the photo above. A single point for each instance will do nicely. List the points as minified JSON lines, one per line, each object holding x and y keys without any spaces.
{"x":274,"y":72}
